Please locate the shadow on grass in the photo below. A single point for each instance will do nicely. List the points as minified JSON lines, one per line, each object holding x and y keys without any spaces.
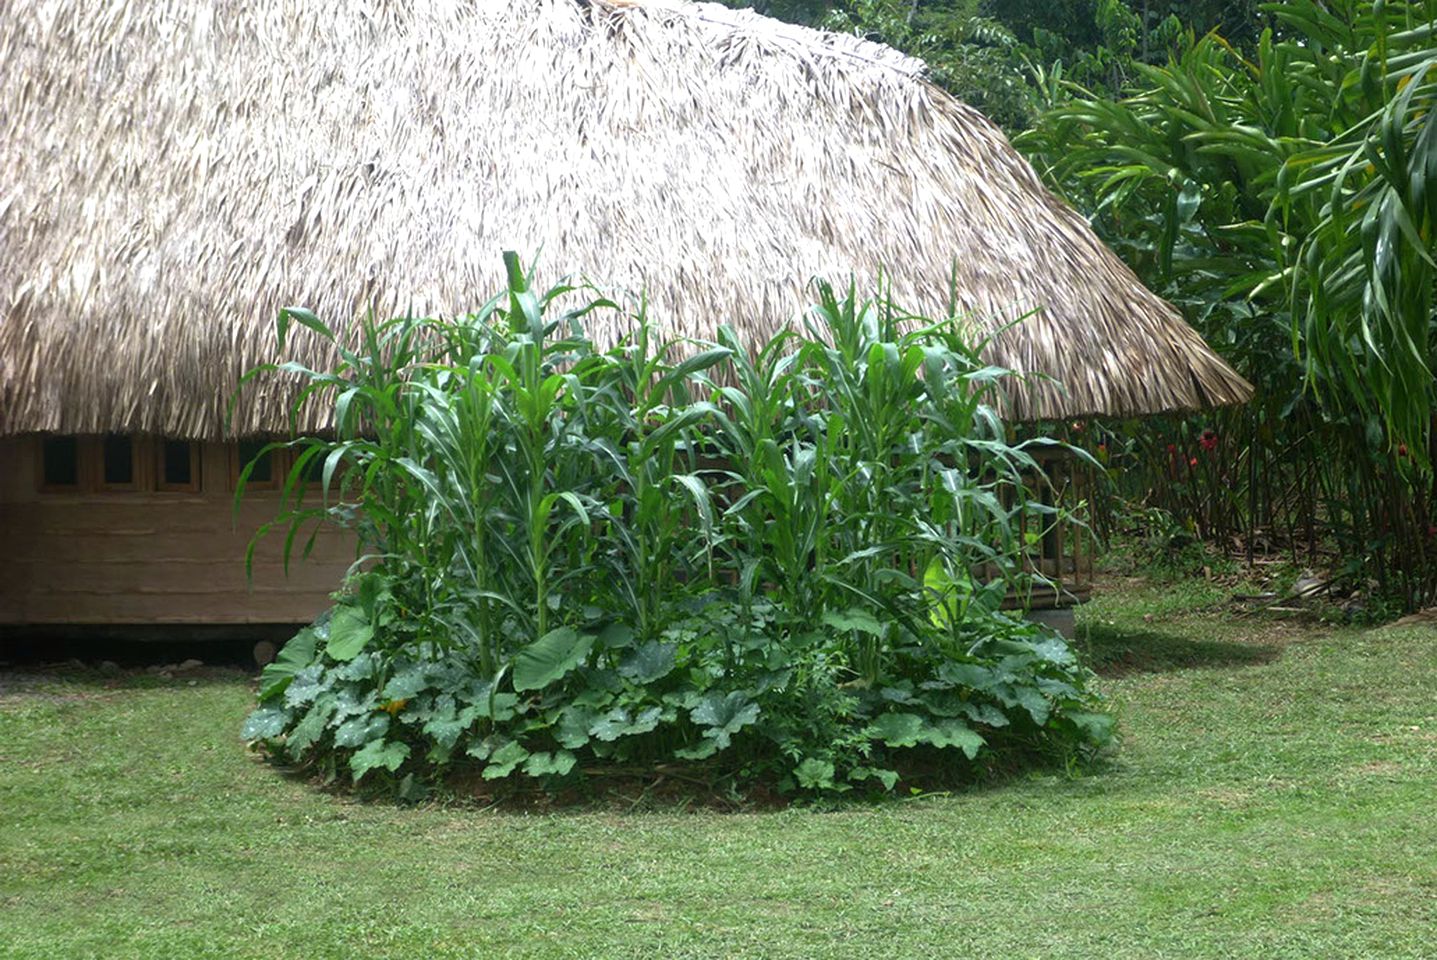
{"x":1114,"y":651}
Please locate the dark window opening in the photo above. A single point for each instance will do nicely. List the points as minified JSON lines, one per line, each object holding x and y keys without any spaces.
{"x":177,"y":464}
{"x":263,"y":472}
{"x":61,"y":462}
{"x":119,"y":461}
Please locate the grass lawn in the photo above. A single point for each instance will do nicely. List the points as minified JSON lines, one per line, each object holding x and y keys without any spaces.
{"x":1273,"y":797}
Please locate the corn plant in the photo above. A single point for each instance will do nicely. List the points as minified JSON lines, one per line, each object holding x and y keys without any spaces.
{"x":788,"y":561}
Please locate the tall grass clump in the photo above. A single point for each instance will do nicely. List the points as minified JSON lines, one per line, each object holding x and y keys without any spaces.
{"x":784,"y":565}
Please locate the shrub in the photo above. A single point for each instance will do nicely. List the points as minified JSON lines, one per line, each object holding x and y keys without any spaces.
{"x":787,"y":565}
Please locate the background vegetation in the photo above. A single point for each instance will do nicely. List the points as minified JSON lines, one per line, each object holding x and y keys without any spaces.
{"x":1268,"y":168}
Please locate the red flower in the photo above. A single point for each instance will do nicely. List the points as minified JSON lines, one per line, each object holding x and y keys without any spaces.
{"x":1192,"y":462}
{"x":1402,"y":449}
{"x":1172,"y":449}
{"x":1208,"y":440}
{"x":1432,"y":531}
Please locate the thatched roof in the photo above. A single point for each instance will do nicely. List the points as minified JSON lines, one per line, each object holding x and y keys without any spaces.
{"x":175,"y":172}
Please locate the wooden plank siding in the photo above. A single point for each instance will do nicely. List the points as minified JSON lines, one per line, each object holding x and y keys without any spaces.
{"x":150,"y":557}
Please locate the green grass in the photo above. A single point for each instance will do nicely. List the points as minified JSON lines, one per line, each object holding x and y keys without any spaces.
{"x":1272,"y":797}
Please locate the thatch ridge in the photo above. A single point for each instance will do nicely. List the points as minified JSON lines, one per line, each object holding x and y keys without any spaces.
{"x":175,"y":173}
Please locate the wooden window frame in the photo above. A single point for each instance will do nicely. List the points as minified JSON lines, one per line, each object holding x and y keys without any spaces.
{"x":158,"y":460}
{"x":81,"y":458}
{"x":139,"y":458}
{"x":277,"y":468}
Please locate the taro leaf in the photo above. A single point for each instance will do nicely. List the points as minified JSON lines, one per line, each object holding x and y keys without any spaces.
{"x":1098,"y":726}
{"x":265,"y":723}
{"x":378,"y":753}
{"x":889,"y":778}
{"x":545,"y":764}
{"x":293,"y":657}
{"x":503,"y":761}
{"x":349,"y":634}
{"x":549,"y":658}
{"x":854,"y":619}
{"x":649,"y":663}
{"x":814,"y":774}
{"x":616,"y":636}
{"x":574,"y":724}
{"x":618,"y":722}
{"x":897,"y":729}
{"x":953,"y":733}
{"x":362,"y":730}
{"x":305,"y":686}
{"x":406,"y":683}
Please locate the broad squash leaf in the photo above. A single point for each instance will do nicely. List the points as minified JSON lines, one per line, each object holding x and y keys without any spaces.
{"x":503,"y":761}
{"x":950,"y":732}
{"x":362,"y":730}
{"x":650,"y":662}
{"x":378,"y":753}
{"x":897,"y":729}
{"x":544,"y":764}
{"x":293,"y":657}
{"x":265,"y":723}
{"x":618,"y":722}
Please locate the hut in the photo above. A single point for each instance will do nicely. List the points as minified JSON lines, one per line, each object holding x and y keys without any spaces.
{"x":174,"y":173}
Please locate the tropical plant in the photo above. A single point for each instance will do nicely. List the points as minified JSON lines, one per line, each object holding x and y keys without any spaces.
{"x":790,"y":564}
{"x":1282,"y":201}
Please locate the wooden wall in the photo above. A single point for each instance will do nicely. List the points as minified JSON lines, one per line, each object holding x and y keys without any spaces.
{"x":137,"y":557}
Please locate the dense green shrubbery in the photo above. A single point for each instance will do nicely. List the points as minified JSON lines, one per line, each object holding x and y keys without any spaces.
{"x":786,"y":566}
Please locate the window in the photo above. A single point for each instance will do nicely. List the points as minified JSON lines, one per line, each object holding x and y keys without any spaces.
{"x":178,"y":466}
{"x":117,"y":462}
{"x":60,"y":463}
{"x":264,"y":476}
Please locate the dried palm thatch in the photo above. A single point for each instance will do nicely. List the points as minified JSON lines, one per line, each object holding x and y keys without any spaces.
{"x":175,"y":172}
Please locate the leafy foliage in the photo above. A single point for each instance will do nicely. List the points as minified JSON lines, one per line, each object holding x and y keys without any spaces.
{"x":1282,"y":200}
{"x":785,"y":565}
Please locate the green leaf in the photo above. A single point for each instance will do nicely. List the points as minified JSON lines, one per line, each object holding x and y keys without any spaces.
{"x":727,"y":714}
{"x":265,"y":723}
{"x":950,"y":732}
{"x":1097,"y":726}
{"x":854,"y":619}
{"x":378,"y":753}
{"x":897,"y":729}
{"x":406,"y":683}
{"x":889,"y":778}
{"x":814,"y":774}
{"x":649,"y":663}
{"x":546,"y":764}
{"x":349,"y":634}
{"x":550,"y":657}
{"x":362,"y":730}
{"x":305,"y":686}
{"x":503,"y":761}
{"x":309,"y":729}
{"x":618,"y":722}
{"x":293,"y":657}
